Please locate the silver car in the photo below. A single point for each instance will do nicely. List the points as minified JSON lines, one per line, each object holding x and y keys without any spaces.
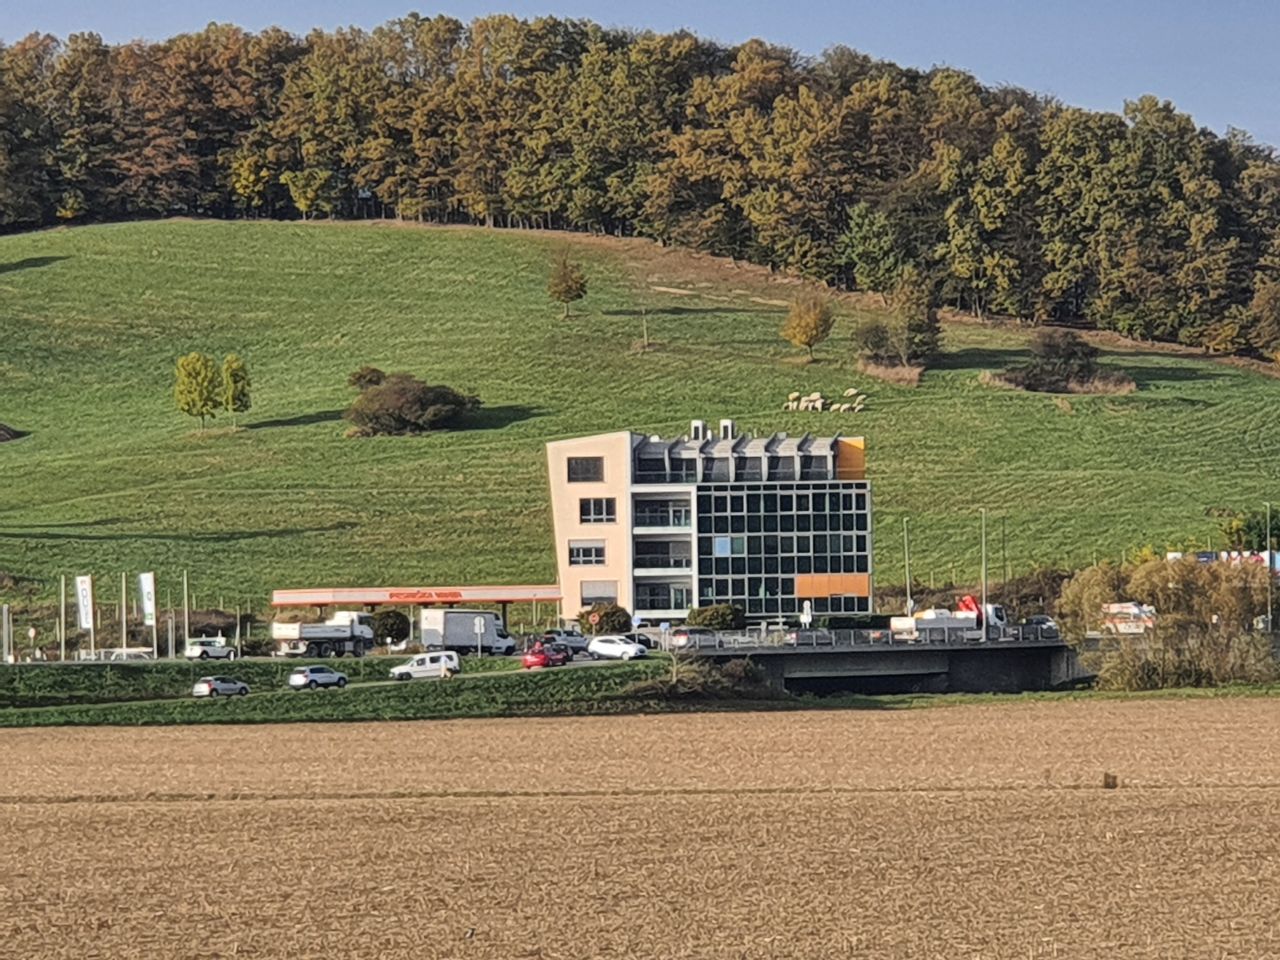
{"x":311,"y":677}
{"x":219,"y":687}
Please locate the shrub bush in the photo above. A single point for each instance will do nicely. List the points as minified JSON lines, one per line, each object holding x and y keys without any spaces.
{"x":1061,"y":362}
{"x":612,"y":619}
{"x":403,"y":404}
{"x":720,"y":616}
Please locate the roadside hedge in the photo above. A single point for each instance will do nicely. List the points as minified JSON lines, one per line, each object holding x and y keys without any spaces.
{"x":546,"y":692}
{"x":60,"y":684}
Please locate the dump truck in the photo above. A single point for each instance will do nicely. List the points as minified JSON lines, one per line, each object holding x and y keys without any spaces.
{"x":347,"y":632}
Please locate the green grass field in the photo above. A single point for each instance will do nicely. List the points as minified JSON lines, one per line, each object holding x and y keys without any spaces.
{"x":113,"y":478}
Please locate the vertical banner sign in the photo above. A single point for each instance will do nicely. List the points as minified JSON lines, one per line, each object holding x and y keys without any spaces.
{"x":147,"y":590}
{"x":84,"y":602}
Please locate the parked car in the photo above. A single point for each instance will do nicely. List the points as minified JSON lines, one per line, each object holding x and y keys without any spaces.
{"x":1048,"y":627}
{"x":208,"y":648}
{"x":614,"y":647}
{"x":643,"y":639}
{"x":428,"y":666}
{"x":312,"y":677}
{"x":219,"y":687}
{"x":130,"y":654}
{"x":693,"y":637}
{"x":572,"y":639}
{"x":549,"y":655}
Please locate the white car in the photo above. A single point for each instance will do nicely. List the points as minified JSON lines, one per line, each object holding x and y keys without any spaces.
{"x":611,"y":647}
{"x":219,"y":687}
{"x":311,"y":677}
{"x":208,"y":648}
{"x":428,"y":666}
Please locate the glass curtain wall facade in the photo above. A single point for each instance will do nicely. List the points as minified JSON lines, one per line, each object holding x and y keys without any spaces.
{"x":763,"y":546}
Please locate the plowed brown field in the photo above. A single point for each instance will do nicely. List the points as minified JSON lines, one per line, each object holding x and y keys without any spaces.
{"x":973,"y":832}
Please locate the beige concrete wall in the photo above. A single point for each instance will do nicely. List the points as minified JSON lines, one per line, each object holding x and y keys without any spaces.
{"x":615,"y":449}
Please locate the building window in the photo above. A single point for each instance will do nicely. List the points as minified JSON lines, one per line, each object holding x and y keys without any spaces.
{"x":684,"y":470}
{"x":586,"y":553}
{"x":598,"y":510}
{"x":715,"y":468}
{"x":599,"y":591}
{"x":586,"y":469}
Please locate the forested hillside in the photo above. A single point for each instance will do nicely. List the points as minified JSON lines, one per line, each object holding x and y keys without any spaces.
{"x":842,"y":168}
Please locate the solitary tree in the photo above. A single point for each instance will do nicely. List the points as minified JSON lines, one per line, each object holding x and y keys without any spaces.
{"x":809,"y":322}
{"x":196,"y":386}
{"x":234,"y":394}
{"x":567,"y":282}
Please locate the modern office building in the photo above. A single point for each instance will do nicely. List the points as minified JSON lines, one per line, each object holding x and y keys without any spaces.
{"x":660,"y":526}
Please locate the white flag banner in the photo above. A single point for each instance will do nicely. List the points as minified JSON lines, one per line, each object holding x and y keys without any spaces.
{"x":84,"y":601}
{"x":147,"y":590}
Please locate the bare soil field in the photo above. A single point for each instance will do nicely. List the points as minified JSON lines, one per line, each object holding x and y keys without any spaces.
{"x":967,"y":832}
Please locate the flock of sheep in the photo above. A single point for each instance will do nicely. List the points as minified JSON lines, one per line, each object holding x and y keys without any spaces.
{"x":853,"y":403}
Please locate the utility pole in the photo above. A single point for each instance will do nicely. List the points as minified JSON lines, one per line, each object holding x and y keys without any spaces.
{"x":906,"y":562}
{"x":186,"y":609}
{"x":985,"y":634}
{"x":124,"y":616}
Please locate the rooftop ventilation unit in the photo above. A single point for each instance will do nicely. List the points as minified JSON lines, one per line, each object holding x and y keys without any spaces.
{"x":728,"y":430}
{"x":698,"y":430}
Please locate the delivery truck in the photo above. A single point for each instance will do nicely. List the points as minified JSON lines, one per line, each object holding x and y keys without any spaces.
{"x":466,"y":631}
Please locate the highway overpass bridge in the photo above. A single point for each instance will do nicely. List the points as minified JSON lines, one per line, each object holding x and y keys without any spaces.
{"x":992,"y":666}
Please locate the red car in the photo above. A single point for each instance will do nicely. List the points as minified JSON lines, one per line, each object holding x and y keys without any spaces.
{"x":550,"y":655}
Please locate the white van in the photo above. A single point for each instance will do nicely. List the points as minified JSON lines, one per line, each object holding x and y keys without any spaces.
{"x":428,"y":666}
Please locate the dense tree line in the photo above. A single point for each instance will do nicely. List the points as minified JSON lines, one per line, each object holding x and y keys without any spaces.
{"x":842,"y":167}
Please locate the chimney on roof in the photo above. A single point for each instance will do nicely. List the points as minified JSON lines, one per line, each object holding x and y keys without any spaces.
{"x":728,"y":430}
{"x":698,"y":430}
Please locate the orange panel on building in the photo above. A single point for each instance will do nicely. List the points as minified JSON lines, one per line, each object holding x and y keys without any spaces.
{"x":851,"y":459}
{"x":813,"y":585}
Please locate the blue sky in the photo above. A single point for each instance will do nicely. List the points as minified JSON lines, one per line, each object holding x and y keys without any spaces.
{"x":1216,"y":59}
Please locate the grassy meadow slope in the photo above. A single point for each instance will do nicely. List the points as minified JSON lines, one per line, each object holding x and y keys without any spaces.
{"x":113,"y":478}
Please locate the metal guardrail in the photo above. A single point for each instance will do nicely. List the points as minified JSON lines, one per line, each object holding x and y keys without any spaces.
{"x":852,"y":639}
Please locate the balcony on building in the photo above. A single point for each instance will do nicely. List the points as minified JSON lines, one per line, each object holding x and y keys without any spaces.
{"x":663,"y":557}
{"x":657,"y":516}
{"x":656,"y":601}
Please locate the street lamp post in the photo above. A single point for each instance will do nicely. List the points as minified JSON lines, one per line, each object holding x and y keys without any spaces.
{"x":985,"y":634}
{"x":906,"y":561}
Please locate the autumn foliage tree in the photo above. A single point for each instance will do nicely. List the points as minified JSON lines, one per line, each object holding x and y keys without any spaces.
{"x":567,"y":282}
{"x":197,"y":386}
{"x":809,"y":321}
